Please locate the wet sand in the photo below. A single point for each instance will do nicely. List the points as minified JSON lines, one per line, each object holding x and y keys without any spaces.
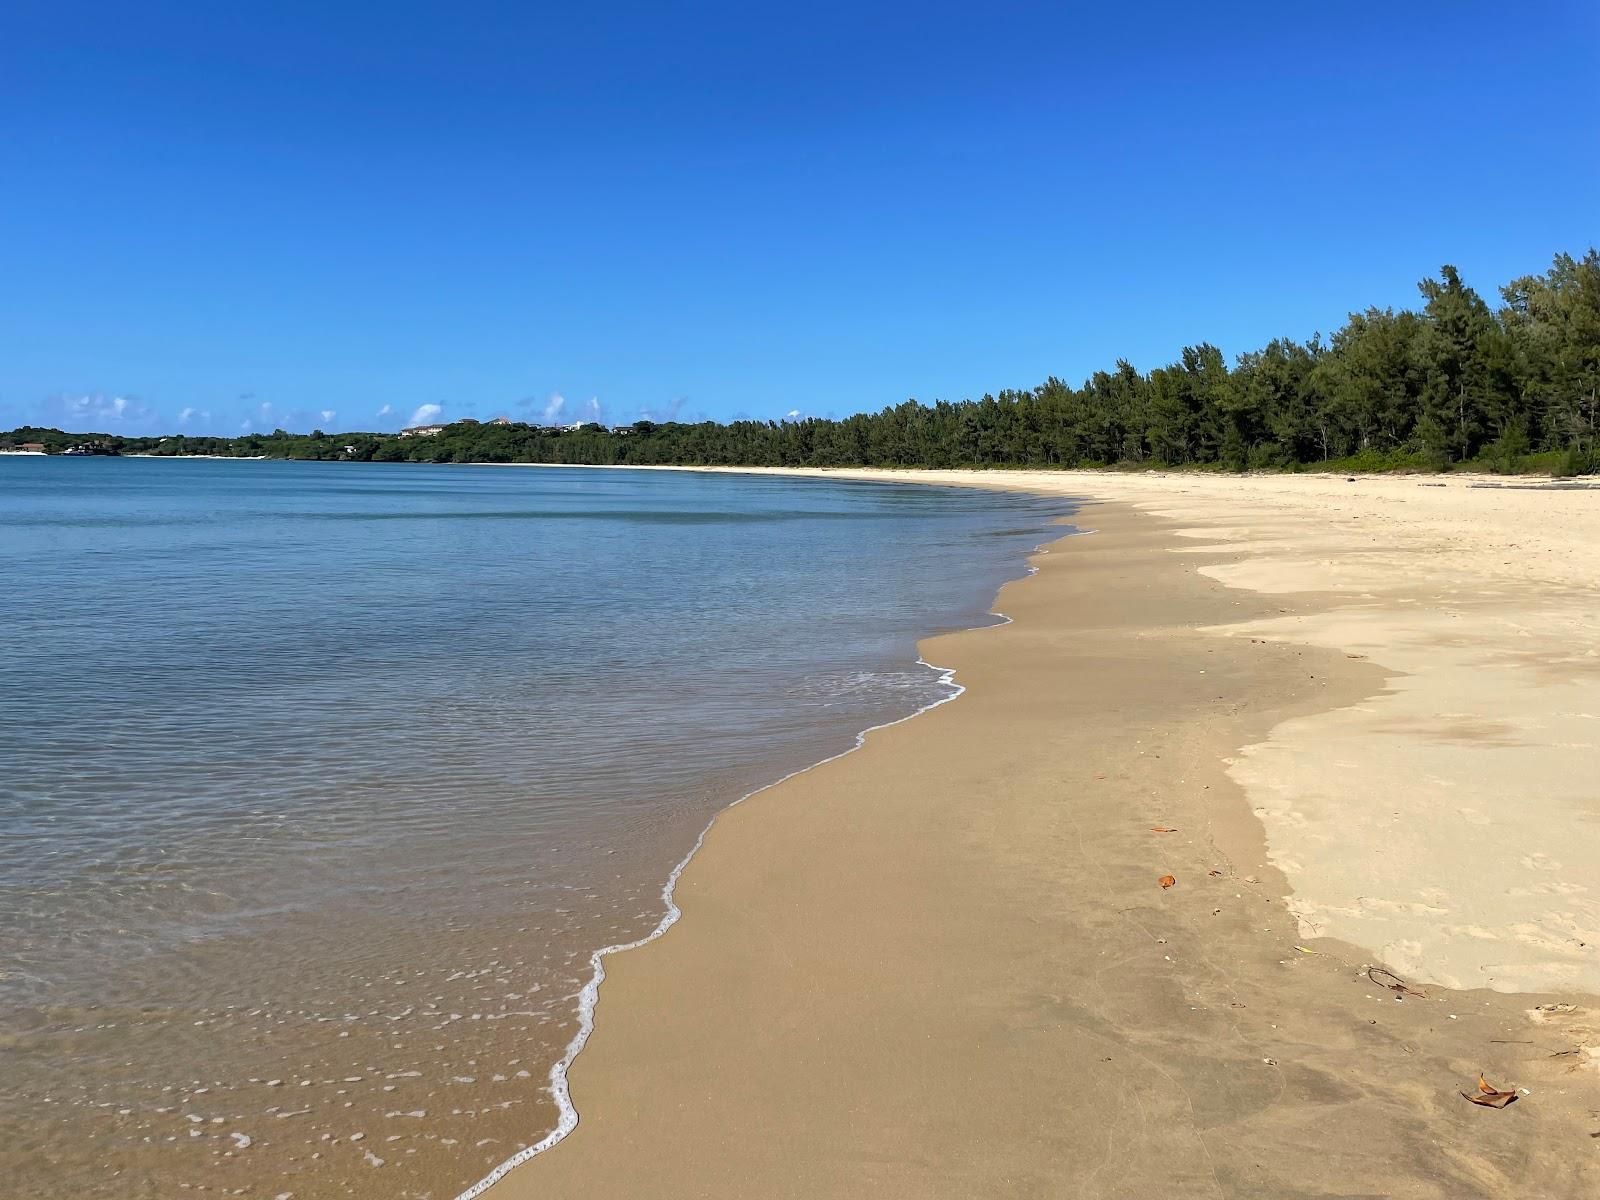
{"x":944,"y":965}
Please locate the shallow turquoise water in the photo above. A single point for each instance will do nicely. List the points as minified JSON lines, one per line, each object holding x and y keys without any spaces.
{"x":280,"y":734}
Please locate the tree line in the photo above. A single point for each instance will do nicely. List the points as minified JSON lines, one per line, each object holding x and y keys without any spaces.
{"x":1453,"y":382}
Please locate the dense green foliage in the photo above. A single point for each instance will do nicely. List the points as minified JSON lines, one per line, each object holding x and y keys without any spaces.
{"x":1453,"y":382}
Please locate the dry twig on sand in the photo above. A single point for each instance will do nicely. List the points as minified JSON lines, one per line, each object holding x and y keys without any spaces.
{"x":1392,"y":982}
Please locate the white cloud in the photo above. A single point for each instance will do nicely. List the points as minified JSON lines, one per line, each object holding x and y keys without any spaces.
{"x":328,"y":415}
{"x":669,"y":413}
{"x":553,"y":407}
{"x":792,"y":414}
{"x":189,"y":414}
{"x":95,"y":409}
{"x":426,"y":413}
{"x":386,"y":411}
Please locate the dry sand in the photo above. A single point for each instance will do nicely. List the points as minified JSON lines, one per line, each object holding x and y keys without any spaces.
{"x":944,"y":966}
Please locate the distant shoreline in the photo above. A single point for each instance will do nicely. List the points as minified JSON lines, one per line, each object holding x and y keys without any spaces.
{"x":1002,"y":477}
{"x":207,"y":457}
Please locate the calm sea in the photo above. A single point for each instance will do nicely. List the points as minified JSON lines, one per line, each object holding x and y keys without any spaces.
{"x":321,"y":782}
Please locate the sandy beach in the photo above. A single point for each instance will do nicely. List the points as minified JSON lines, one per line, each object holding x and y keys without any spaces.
{"x":1355,"y":722}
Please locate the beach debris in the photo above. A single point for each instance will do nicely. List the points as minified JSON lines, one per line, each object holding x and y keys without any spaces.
{"x":1490,"y":1096}
{"x":1393,"y":982}
{"x":1167,"y":881}
{"x":1543,"y":1012}
{"x":1213,"y":873}
{"x":1163,"y":829}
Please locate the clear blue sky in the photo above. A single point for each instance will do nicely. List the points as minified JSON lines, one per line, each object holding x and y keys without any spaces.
{"x":261,"y":212}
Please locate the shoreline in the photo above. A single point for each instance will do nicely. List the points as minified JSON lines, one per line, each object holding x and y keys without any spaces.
{"x":993,"y":477}
{"x":589,"y":996}
{"x":618,"y":1121}
{"x":434,"y":1079}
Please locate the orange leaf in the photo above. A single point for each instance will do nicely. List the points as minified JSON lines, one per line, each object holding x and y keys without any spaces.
{"x":1162,"y":829}
{"x":1167,"y":881}
{"x":1490,"y":1096}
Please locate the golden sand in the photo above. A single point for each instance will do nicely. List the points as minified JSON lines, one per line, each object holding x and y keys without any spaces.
{"x":945,"y":965}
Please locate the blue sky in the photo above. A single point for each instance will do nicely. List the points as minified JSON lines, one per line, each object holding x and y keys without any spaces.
{"x":345,"y":214}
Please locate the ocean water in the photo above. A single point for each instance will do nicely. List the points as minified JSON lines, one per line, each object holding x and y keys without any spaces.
{"x":323,"y":782}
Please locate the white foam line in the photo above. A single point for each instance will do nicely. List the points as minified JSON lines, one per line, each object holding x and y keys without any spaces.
{"x":589,"y":997}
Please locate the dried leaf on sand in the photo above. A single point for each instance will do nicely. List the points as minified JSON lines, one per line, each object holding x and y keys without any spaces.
{"x":1490,"y":1096}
